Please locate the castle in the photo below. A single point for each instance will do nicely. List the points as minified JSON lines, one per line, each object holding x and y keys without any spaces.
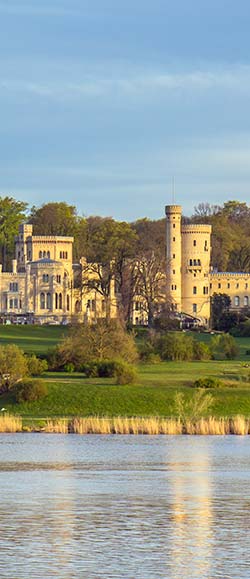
{"x":190,"y":280}
{"x":42,"y":288}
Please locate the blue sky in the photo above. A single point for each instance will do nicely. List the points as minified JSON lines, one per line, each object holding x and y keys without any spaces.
{"x":102,"y":102}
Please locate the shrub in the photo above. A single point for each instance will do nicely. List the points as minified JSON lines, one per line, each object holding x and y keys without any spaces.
{"x":106,"y":368}
{"x":69,"y":367}
{"x":208,"y":383}
{"x":224,"y":347}
{"x":175,"y":346}
{"x":30,"y":391}
{"x":90,"y":370}
{"x":36,"y":367}
{"x":201,"y":351}
{"x":124,"y":373}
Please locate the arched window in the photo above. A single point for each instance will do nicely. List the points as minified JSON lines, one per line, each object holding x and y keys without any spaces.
{"x":56,"y":301}
{"x":42,"y":301}
{"x":48,"y":254}
{"x":237,"y":301}
{"x":67,"y":303}
{"x":77,"y":306}
{"x":194,"y":289}
{"x":45,"y":278}
{"x":48,"y":301}
{"x":40,"y":254}
{"x":44,"y":254}
{"x":246,"y":301}
{"x":60,"y":301}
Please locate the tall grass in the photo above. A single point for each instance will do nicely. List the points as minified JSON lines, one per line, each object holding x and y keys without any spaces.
{"x":57,"y":426}
{"x":155,"y":426}
{"x":9,"y":423}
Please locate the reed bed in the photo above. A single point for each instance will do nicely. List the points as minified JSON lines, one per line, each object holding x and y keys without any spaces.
{"x":238,"y":425}
{"x":10,"y":423}
{"x":59,"y":426}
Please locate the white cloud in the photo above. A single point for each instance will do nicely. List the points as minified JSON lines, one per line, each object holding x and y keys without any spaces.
{"x":131,"y":83}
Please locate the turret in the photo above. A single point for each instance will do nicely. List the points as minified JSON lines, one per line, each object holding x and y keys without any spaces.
{"x":173,"y":256}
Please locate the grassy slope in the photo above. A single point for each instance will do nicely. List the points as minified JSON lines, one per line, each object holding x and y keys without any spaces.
{"x":37,"y":339}
{"x":152,"y":395}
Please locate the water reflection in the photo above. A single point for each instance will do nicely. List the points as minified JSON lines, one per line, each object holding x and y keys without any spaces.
{"x":124,"y":507}
{"x":191,"y":513}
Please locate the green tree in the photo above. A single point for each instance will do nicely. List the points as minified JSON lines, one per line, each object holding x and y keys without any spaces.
{"x":12,"y":213}
{"x":220,"y":306}
{"x":104,"y":340}
{"x":55,"y":218}
{"x":13,"y":366}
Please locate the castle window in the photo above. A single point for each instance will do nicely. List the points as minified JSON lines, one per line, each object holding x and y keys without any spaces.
{"x":68,"y":303}
{"x":194,"y":243}
{"x":194,"y":308}
{"x":237,"y":286}
{"x":42,"y":301}
{"x":237,"y":301}
{"x":194,"y":289}
{"x":173,"y":238}
{"x":56,"y":301}
{"x":174,"y":287}
{"x":137,"y":306}
{"x":246,"y":301}
{"x":219,"y":285}
{"x":14,"y":287}
{"x":44,"y":254}
{"x":45,"y":278}
{"x":173,"y":271}
{"x":246,"y":285}
{"x":40,"y":254}
{"x":58,"y":279}
{"x":190,"y":262}
{"x":173,"y":225}
{"x":48,"y":254}
{"x":173,"y":255}
{"x":228,"y":286}
{"x":60,"y":301}
{"x":48,"y":301}
{"x":211,"y":285}
{"x":205,"y":290}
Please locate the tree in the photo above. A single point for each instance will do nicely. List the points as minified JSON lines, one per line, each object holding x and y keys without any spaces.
{"x":12,"y":213}
{"x":104,"y":340}
{"x":57,"y":218}
{"x":110,"y":247}
{"x":13,"y":366}
{"x":220,"y":306}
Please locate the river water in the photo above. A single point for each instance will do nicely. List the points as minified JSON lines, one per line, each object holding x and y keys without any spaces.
{"x":124,"y":507}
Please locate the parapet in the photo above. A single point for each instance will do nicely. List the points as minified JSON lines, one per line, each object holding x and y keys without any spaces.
{"x":169,"y":209}
{"x":197,"y":228}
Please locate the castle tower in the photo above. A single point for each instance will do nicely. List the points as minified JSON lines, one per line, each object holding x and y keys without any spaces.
{"x":22,"y":243}
{"x":195,"y":267}
{"x":173,"y":256}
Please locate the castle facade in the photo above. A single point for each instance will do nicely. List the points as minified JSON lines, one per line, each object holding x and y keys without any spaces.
{"x":191,"y":282}
{"x":45,"y":286}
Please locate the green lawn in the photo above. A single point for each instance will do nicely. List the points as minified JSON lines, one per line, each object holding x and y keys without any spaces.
{"x":32,"y":339}
{"x":153,"y":394}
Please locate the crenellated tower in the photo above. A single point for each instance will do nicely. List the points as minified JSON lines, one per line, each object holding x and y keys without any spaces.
{"x":196,"y":253}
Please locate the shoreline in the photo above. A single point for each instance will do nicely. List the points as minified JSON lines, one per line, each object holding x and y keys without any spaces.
{"x":237,"y":425}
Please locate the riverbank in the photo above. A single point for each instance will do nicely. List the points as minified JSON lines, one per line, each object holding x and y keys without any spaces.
{"x":238,"y":425}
